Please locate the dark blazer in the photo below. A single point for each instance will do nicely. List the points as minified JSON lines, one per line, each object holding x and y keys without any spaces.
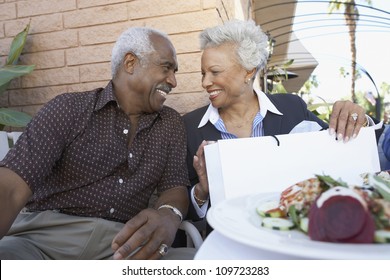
{"x":294,"y":111}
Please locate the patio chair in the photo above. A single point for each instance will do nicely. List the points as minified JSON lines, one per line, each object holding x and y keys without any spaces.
{"x":7,"y":140}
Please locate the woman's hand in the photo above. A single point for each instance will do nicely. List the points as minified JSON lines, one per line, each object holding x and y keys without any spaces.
{"x":199,"y":163}
{"x":346,"y":120}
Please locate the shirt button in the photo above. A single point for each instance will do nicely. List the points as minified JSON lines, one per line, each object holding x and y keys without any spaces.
{"x":120,"y":181}
{"x":112,"y":210}
{"x":125,"y":131}
{"x":130,"y":155}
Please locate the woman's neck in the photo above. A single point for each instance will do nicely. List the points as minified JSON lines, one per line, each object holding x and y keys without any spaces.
{"x":238,"y":119}
{"x":241,"y":110}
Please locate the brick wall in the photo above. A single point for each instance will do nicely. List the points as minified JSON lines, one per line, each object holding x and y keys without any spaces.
{"x":70,"y":43}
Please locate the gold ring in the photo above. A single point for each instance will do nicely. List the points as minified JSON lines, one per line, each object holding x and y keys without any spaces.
{"x":163,"y":249}
{"x":354,"y":116}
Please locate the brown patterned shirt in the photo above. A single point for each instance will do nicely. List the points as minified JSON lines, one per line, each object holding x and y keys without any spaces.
{"x":74,"y":155}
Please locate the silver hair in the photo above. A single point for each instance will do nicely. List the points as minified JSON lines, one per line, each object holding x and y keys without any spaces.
{"x":251,"y":41}
{"x":135,"y":40}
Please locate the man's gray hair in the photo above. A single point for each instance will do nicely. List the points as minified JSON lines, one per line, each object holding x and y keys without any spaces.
{"x":134,"y":40}
{"x":250,"y":40}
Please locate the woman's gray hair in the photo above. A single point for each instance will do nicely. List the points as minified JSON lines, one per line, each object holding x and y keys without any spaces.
{"x":134,"y":40}
{"x":250,"y":40}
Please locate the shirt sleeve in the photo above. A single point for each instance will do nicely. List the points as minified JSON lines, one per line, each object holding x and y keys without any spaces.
{"x":201,"y":211}
{"x":175,"y":173}
{"x":386,"y":144}
{"x":40,"y":146}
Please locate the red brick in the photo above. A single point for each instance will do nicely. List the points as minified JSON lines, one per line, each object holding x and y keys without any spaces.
{"x":38,"y":24}
{"x":52,"y":41}
{"x":95,"y":72}
{"x":44,"y":60}
{"x":7,"y":11}
{"x":153,"y":8}
{"x":43,"y":7}
{"x":51,"y":77}
{"x":89,"y":54}
{"x":93,"y":16}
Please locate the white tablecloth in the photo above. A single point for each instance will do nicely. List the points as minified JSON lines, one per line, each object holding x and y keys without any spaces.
{"x":218,"y":247}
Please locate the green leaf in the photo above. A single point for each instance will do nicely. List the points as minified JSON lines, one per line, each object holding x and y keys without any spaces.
{"x":17,"y":46}
{"x":3,"y":88}
{"x":330,"y":182}
{"x":9,"y":72}
{"x":292,"y":212}
{"x":381,"y":185}
{"x":279,"y":88}
{"x":288,"y":63}
{"x":13,"y":118}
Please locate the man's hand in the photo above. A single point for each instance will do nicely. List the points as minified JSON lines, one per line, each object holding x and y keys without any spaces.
{"x":346,"y":120}
{"x":142,"y":236}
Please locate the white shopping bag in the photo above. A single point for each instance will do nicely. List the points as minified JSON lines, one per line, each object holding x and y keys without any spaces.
{"x":245,"y":166}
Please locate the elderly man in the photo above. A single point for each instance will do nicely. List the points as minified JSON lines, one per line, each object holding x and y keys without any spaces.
{"x":86,"y":166}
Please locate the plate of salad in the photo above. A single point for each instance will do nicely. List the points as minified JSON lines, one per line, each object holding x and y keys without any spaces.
{"x":319,"y":218}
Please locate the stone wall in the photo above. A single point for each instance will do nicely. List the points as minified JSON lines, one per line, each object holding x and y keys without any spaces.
{"x":70,"y":44}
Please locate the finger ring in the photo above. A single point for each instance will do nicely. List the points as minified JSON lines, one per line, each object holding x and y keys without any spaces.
{"x":163,"y":249}
{"x":354,"y":116}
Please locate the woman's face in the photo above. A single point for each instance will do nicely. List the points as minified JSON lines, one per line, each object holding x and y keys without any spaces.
{"x":222,"y":76}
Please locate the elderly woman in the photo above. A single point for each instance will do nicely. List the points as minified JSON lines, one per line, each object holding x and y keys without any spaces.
{"x":232,"y":55}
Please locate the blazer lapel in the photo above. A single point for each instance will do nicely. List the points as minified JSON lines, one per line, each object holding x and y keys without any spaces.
{"x":209,"y":132}
{"x":272,"y":124}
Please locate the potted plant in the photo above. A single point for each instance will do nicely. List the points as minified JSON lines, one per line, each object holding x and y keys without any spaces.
{"x":9,"y":71}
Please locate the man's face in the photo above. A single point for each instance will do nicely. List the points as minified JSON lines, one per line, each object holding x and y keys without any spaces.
{"x":155,"y":76}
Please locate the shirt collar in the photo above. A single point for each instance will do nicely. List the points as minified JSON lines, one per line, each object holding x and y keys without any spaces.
{"x":105,"y":96}
{"x":265,"y":105}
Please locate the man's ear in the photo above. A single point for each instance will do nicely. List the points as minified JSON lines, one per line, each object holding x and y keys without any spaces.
{"x":129,"y":62}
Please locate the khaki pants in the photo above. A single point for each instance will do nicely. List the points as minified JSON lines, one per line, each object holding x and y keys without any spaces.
{"x":49,"y":235}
